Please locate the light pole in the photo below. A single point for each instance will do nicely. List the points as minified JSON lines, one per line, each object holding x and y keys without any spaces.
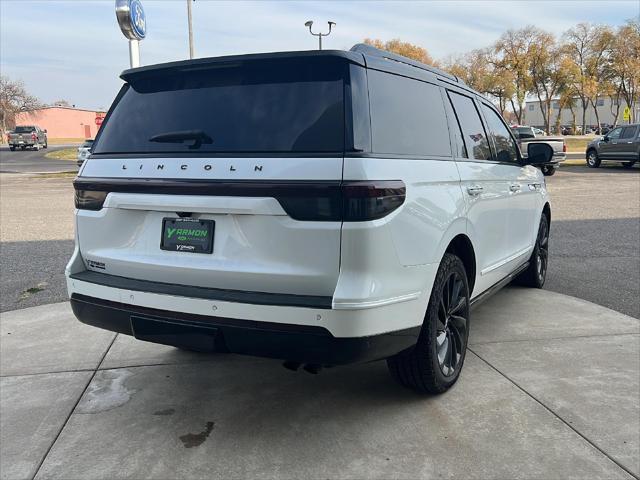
{"x":190,"y":28}
{"x":319,"y":35}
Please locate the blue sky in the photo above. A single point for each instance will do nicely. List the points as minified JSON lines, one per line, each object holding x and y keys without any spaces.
{"x":74,"y":50}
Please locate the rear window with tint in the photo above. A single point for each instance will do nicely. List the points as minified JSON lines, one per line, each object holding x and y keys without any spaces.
{"x":25,"y":129}
{"x":288,"y":106}
{"x":407,"y":116}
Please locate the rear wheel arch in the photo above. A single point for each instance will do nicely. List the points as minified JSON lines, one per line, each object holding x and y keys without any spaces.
{"x":462,"y":247}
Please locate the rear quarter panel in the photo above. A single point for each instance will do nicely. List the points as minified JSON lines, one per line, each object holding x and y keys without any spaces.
{"x":399,"y":254}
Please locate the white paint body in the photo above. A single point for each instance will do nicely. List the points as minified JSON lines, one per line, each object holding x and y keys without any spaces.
{"x":378,"y":273}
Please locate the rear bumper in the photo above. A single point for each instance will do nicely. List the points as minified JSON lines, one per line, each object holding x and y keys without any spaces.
{"x":293,"y":342}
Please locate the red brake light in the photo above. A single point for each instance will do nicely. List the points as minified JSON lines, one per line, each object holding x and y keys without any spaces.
{"x":564,"y":147}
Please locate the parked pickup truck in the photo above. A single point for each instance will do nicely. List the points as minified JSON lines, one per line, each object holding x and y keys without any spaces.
{"x":526,"y":135}
{"x":27,"y":136}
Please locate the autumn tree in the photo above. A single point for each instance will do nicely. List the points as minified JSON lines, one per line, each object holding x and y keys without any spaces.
{"x":405,"y":49}
{"x":513,"y":51}
{"x":578,"y":45}
{"x":481,"y":71}
{"x":14,"y":99}
{"x":547,"y":70}
{"x":625,"y":63}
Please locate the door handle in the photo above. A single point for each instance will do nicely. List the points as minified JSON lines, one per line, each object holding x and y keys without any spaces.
{"x":475,"y":190}
{"x":515,"y":187}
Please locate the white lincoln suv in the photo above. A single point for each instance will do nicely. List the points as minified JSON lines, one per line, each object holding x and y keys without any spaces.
{"x":319,"y":207}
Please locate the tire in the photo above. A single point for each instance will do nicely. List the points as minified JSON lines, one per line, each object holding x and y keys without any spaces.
{"x":46,"y":144}
{"x":628,"y":164}
{"x":536,"y":273}
{"x":433,"y":365}
{"x":12,"y":148}
{"x":592,"y":159}
{"x":548,"y":171}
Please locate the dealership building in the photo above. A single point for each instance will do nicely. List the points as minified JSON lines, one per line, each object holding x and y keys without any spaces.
{"x":62,"y":122}
{"x":607,"y":109}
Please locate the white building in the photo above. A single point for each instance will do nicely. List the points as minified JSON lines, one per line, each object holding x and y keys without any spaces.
{"x":606,"y":111}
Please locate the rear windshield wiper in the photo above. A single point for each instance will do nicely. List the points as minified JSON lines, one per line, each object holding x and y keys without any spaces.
{"x":198,"y":137}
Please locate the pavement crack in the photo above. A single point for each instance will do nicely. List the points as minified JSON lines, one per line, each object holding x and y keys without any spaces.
{"x":608,"y":335}
{"x":66,"y":420}
{"x":552,"y":412}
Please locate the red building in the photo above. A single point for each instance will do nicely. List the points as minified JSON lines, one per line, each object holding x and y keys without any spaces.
{"x":62,"y":122}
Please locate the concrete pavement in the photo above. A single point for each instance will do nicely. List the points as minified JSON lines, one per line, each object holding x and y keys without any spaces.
{"x":30,"y":161}
{"x":550,"y":390}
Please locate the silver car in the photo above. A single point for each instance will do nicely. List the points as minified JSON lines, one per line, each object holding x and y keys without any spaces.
{"x":83,"y":151}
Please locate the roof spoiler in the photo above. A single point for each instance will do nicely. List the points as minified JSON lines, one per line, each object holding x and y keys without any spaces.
{"x":365,"y":49}
{"x":213,"y":62}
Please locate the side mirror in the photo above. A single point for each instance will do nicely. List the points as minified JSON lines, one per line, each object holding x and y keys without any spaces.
{"x":45,"y":130}
{"x":539,"y":153}
{"x":605,"y":139}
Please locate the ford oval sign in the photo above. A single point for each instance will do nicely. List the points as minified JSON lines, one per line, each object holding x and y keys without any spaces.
{"x":138,"y":20}
{"x":131,"y":19}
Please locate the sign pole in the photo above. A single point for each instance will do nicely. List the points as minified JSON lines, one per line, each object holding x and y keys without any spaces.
{"x":189,"y":19}
{"x":134,"y":53}
{"x":133,"y":24}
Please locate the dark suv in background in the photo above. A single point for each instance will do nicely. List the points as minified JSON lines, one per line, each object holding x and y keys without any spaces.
{"x":621,"y":144}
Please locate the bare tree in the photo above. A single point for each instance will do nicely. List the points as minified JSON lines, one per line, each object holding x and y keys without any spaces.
{"x":14,"y":99}
{"x":61,"y":103}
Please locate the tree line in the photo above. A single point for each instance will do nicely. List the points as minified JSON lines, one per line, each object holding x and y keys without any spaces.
{"x":585,"y":63}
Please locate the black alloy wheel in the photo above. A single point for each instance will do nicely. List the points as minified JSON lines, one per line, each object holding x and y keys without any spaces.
{"x":542,"y":250}
{"x":536,"y":273}
{"x":434,"y":364}
{"x":452,"y":324}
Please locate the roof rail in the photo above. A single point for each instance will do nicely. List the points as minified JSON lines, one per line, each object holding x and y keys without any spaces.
{"x":376,"y":52}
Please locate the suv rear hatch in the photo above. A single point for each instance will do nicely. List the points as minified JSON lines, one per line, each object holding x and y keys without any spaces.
{"x":222,"y":173}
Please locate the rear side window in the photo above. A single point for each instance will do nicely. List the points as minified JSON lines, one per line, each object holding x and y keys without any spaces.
{"x":628,"y":132}
{"x":288,"y":106}
{"x":506,"y":150}
{"x":473,"y":131}
{"x":407,"y":116}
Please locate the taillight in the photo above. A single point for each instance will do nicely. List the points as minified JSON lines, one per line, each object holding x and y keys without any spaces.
{"x":89,"y":200}
{"x":349,"y":201}
{"x":366,"y":200}
{"x":564,"y":147}
{"x":33,"y":136}
{"x":319,"y":201}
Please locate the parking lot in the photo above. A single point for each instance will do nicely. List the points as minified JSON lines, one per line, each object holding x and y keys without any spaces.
{"x":550,"y":387}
